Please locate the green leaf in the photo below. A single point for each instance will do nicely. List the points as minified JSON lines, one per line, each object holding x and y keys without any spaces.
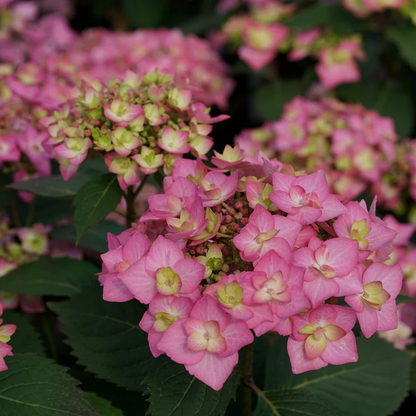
{"x":174,"y":392}
{"x":404,"y":37}
{"x":102,"y":406}
{"x":405,"y":299}
{"x":50,"y":210}
{"x":270,"y":98}
{"x":413,"y":376}
{"x":294,"y":403}
{"x":26,"y":339}
{"x":52,"y":186}
{"x":59,"y":276}
{"x":129,"y":402}
{"x":95,"y":200}
{"x":105,"y":336}
{"x":94,"y":238}
{"x":35,"y":386}
{"x":373,"y":386}
{"x":333,"y":15}
{"x":146,"y":13}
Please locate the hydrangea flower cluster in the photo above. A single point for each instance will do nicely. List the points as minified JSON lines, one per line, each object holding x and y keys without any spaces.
{"x":141,"y":123}
{"x":252,"y":245}
{"x":24,"y":34}
{"x":357,"y":148}
{"x":404,"y":254}
{"x":25,"y":97}
{"x":104,"y":55}
{"x":261,"y":33}
{"x":69,"y":58}
{"x":23,"y":245}
{"x":364,"y":8}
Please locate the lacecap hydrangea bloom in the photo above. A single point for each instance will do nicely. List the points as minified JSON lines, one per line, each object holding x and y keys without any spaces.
{"x":250,"y":246}
{"x":139,"y":122}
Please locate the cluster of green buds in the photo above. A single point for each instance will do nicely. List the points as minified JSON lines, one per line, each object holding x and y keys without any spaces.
{"x":140,"y":123}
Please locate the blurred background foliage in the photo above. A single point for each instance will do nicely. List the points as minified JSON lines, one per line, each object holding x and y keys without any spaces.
{"x":387,"y":83}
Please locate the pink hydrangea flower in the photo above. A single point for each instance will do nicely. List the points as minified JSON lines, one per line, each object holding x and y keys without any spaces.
{"x":190,"y":223}
{"x":337,"y":66}
{"x":261,"y":43}
{"x":9,"y":151}
{"x":164,"y":270}
{"x":325,"y":262}
{"x":358,"y":225}
{"x":162,"y":313}
{"x":303,"y":44}
{"x":207,"y":342}
{"x":121,"y":112}
{"x":170,"y":204}
{"x":322,"y":336}
{"x":121,"y":257}
{"x":404,"y":231}
{"x":216,"y":188}
{"x":126,"y":169}
{"x":174,"y":141}
{"x":266,"y":232}
{"x":306,"y":199}
{"x":376,"y":289}
{"x":277,"y":284}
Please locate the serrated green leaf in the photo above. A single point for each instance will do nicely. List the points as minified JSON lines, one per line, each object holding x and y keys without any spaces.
{"x":373,"y":386}
{"x":59,"y":276}
{"x":270,"y":98}
{"x":95,"y":200}
{"x":294,"y":403}
{"x":35,"y":386}
{"x":52,"y":186}
{"x":102,"y":406}
{"x":174,"y":392}
{"x":105,"y":336}
{"x":129,"y":402}
{"x":26,"y":339}
{"x":404,"y":37}
{"x":94,"y":238}
{"x":405,"y":299}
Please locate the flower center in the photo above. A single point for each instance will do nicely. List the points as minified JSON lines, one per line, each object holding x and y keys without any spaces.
{"x":168,"y":282}
{"x":360,"y":230}
{"x":374,"y":295}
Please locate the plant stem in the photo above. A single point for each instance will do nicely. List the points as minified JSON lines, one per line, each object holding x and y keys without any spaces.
{"x":248,"y":357}
{"x":49,"y":338}
{"x":139,"y":189}
{"x":129,"y":196}
{"x":260,"y":393}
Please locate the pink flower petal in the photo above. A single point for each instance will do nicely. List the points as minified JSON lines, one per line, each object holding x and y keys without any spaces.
{"x":342,"y":351}
{"x":298,"y":360}
{"x":163,"y":253}
{"x":213,"y":370}
{"x":139,"y":282}
{"x":174,"y":344}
